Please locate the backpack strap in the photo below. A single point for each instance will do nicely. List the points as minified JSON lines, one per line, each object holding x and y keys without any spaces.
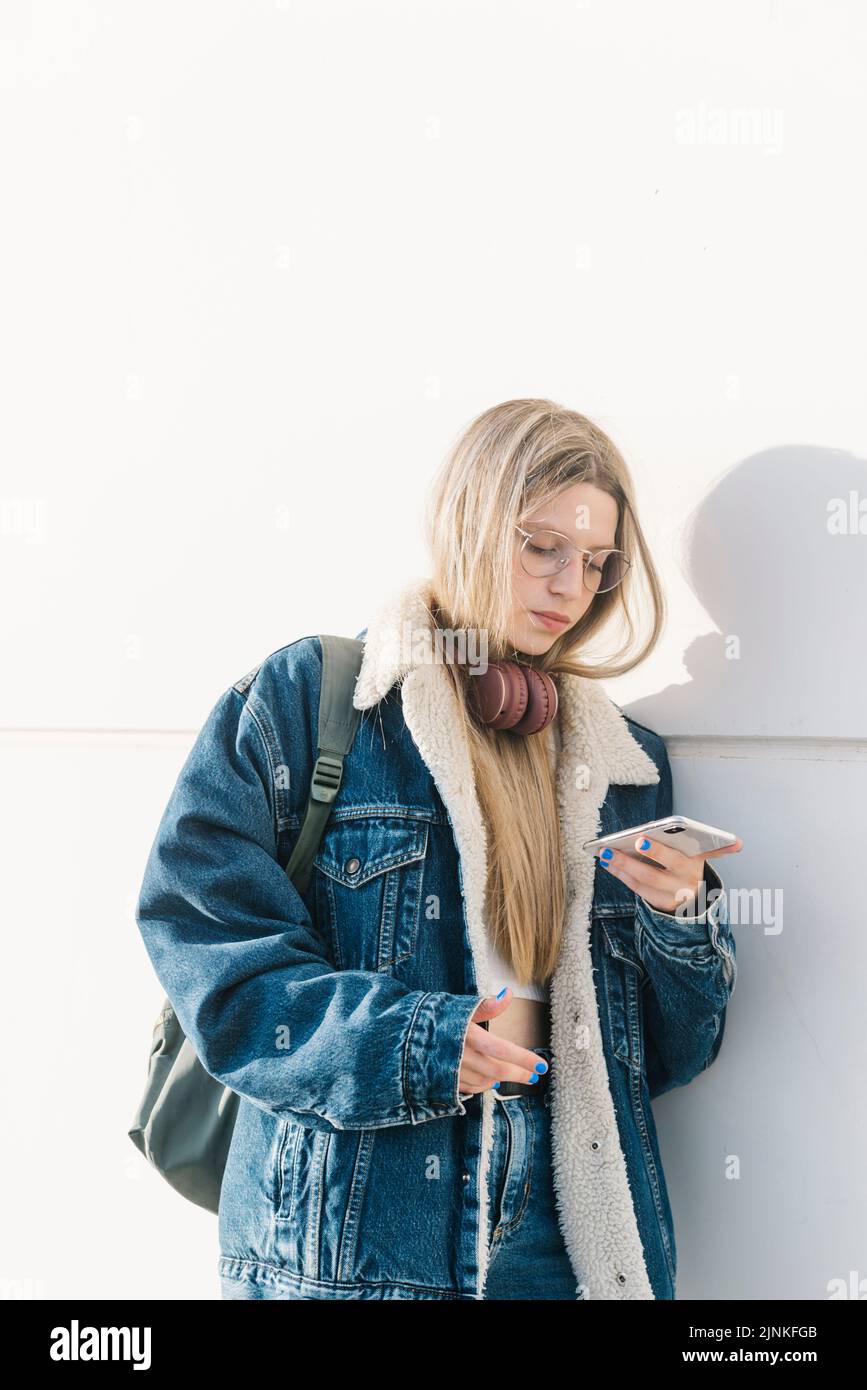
{"x":338,"y":722}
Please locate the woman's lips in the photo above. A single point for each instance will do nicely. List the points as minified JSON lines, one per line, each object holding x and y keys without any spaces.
{"x":553,"y":624}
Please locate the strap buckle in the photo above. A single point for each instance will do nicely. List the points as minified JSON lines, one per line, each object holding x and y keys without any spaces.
{"x":327,"y":775}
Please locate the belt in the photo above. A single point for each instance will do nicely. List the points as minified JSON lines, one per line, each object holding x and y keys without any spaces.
{"x":528,"y":1088}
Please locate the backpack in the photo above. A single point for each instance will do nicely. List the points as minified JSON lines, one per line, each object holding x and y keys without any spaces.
{"x":186,"y":1118}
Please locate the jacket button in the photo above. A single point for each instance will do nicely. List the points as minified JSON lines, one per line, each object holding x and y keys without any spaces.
{"x":465,"y":1177}
{"x":352,"y":866}
{"x":621,"y":1278}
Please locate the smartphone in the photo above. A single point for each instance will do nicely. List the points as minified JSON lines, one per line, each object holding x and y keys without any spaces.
{"x":689,"y":836}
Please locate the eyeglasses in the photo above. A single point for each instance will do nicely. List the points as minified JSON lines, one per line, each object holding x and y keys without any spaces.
{"x":548,"y":552}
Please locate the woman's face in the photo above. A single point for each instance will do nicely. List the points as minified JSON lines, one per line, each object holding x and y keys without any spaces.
{"x":589,"y":518}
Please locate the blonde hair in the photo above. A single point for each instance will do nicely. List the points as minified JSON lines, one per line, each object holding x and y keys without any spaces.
{"x":511,"y":459}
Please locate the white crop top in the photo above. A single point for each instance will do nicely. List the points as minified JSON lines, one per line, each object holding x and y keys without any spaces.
{"x":501,"y":972}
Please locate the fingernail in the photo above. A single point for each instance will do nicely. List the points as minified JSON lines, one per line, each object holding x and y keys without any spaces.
{"x":502,"y":991}
{"x":606,"y":854}
{"x":542,"y":1066}
{"x":496,"y":1086}
{"x":533,"y":1079}
{"x":645,"y":844}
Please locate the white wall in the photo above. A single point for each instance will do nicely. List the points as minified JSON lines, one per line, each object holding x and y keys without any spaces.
{"x":262,"y":262}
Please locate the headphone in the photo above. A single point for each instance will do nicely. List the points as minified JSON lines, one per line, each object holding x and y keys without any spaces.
{"x":510,"y":695}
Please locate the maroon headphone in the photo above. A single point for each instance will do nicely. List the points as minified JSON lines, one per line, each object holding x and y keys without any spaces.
{"x":510,"y":695}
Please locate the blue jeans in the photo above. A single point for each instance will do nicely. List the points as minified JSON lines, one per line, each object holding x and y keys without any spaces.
{"x":527,"y":1258}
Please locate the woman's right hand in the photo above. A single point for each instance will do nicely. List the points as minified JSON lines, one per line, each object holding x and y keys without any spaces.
{"x":488,"y":1058}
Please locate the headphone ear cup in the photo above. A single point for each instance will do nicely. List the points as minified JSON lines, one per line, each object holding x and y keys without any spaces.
{"x":541,"y":705}
{"x":501,"y":695}
{"x":516,"y":697}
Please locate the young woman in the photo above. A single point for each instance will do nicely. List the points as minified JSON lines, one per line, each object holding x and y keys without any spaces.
{"x":446,"y":1049}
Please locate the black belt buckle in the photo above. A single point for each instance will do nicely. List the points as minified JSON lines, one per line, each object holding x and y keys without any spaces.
{"x":528,"y":1088}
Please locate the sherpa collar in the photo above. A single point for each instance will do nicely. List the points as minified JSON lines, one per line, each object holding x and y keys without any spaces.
{"x":597,"y":1216}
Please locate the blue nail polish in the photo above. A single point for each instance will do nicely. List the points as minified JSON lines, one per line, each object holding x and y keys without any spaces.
{"x":496,"y":1086}
{"x":645,"y":844}
{"x":533,"y":1079}
{"x":606,"y":853}
{"x":502,"y":991}
{"x":542,"y":1066}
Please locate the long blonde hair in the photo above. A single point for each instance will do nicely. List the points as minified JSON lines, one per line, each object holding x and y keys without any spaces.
{"x":512,"y":458}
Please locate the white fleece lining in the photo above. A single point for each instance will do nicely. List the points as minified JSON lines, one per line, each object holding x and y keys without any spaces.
{"x":591,"y":1185}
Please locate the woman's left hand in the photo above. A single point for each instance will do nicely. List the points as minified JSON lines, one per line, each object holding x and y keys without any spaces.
{"x":674,"y":885}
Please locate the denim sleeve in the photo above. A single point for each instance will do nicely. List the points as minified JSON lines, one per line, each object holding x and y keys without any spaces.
{"x":249,"y":975}
{"x":691,"y":973}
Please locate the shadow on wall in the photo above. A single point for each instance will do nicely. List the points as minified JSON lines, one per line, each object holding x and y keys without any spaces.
{"x":766,"y":1179}
{"x":775,"y":554}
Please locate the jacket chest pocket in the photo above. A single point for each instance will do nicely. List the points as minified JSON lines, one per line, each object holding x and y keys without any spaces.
{"x":624,"y":975}
{"x":369,"y":877}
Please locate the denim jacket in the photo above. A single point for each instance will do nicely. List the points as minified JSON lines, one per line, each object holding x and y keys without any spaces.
{"x":357,"y":1170}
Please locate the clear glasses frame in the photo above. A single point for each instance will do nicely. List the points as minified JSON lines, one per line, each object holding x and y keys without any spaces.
{"x":587,"y":556}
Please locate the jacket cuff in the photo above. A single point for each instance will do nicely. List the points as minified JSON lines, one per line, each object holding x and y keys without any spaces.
{"x":434,"y":1053}
{"x":715,"y":891}
{"x":705,"y":933}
